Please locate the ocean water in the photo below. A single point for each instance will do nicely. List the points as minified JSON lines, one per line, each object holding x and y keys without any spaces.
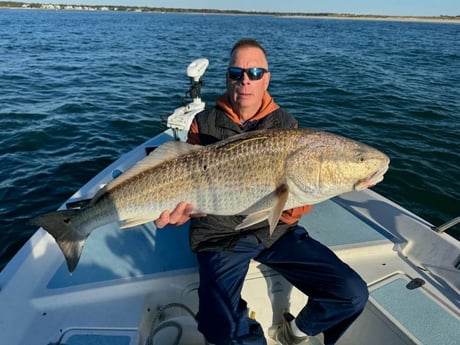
{"x":78,"y":89}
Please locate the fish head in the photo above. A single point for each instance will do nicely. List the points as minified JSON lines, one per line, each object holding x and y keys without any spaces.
{"x":359,"y":167}
{"x":328,"y":165}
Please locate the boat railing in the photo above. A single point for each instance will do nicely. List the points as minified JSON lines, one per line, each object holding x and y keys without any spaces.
{"x":447,"y":225}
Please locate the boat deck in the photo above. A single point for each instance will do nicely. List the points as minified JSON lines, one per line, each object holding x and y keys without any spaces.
{"x":125,"y":277}
{"x":109,"y":257}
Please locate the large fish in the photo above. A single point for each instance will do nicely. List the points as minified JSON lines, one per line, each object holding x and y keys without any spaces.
{"x":258,"y":174}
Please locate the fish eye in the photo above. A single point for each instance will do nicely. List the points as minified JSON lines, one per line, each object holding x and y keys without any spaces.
{"x":360,"y":157}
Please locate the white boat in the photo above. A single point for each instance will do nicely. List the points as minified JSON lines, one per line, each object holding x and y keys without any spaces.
{"x":139,"y":286}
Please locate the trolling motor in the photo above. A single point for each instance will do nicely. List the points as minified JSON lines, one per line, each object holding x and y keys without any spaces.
{"x":181,"y":119}
{"x":195,"y":70}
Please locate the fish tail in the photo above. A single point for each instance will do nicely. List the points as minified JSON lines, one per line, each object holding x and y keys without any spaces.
{"x":59,"y":224}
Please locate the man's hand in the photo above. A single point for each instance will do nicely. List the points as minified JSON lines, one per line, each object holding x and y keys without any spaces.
{"x":180,"y":215}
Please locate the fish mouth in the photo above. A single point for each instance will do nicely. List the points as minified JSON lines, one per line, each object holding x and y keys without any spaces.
{"x":371,"y":180}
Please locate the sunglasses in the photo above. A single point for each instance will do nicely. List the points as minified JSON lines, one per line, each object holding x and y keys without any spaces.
{"x":255,"y":73}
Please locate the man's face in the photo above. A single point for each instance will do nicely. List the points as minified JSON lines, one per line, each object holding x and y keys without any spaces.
{"x":246,"y":95}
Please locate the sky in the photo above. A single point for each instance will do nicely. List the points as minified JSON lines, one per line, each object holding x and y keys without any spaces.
{"x":379,"y":7}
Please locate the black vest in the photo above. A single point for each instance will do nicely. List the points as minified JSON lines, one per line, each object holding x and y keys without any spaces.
{"x":218,"y":232}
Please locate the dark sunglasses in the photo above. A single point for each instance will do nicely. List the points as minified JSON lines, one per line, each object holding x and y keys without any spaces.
{"x":255,"y":73}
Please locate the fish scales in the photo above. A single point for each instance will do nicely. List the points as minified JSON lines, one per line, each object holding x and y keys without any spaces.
{"x":216,"y":179}
{"x":258,"y":174}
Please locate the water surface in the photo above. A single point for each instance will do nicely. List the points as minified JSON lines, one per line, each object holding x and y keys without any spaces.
{"x":78,"y":89}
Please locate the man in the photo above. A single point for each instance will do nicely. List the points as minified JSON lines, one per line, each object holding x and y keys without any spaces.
{"x":337,"y":294}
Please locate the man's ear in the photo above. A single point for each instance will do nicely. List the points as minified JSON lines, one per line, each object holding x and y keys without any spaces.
{"x":267,"y":80}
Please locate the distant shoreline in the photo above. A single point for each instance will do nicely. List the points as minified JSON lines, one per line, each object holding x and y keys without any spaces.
{"x":344,"y":16}
{"x":383,"y":18}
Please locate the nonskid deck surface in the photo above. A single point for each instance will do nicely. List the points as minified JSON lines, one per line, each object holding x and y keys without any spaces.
{"x":418,"y":312}
{"x":111,"y":254}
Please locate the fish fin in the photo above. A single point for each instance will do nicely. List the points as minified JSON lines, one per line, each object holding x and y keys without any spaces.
{"x":272,"y":214}
{"x":253,"y":218}
{"x":162,"y":153}
{"x":128,"y":223}
{"x":172,"y":149}
{"x":282,"y":193}
{"x":59,"y":225}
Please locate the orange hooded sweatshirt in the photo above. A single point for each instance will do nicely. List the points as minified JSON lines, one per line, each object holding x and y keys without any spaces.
{"x":268,"y":106}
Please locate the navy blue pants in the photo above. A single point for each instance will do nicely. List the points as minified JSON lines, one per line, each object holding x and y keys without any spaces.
{"x":337,"y":294}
